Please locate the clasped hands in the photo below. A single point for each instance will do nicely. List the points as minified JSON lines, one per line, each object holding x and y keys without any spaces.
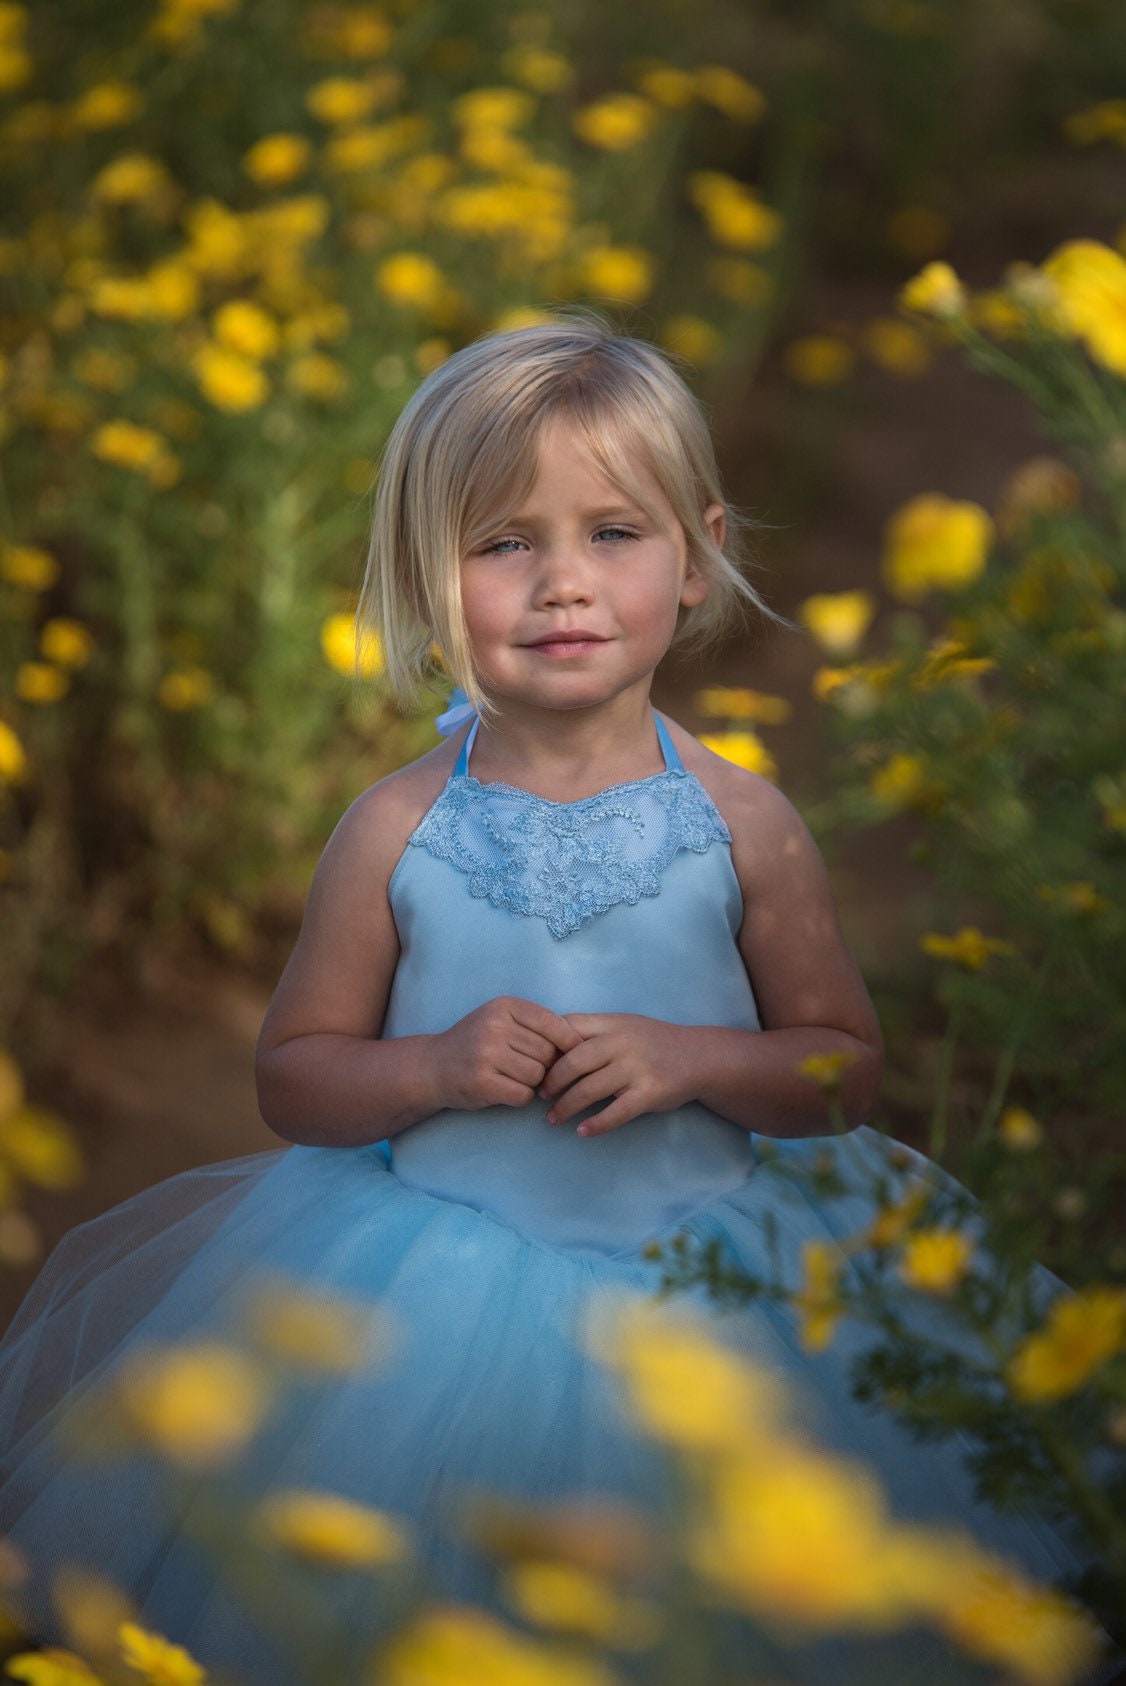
{"x":508,"y":1051}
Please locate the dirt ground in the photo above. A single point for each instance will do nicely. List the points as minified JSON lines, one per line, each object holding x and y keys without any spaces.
{"x":161,"y":1082}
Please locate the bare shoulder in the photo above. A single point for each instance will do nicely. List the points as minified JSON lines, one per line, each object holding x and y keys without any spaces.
{"x":768,"y":835}
{"x":373,"y":831}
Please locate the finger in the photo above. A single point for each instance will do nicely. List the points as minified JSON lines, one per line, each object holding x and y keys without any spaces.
{"x":588,"y":1057}
{"x":587,"y":1092}
{"x":619,"y":1111}
{"x":536,"y":1047}
{"x":522,"y":1069}
{"x":559,"y":1033}
{"x":512,"y":1093}
{"x":589,"y":1024}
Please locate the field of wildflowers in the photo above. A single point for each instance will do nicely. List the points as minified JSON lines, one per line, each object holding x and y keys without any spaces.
{"x":232,"y":239}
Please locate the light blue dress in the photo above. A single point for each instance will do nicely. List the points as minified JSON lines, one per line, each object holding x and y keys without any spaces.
{"x":484,"y":1236}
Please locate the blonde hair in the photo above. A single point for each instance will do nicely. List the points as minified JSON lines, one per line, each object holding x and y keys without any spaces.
{"x":464,"y":453}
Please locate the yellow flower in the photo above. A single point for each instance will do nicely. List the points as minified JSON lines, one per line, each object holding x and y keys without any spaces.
{"x":410,"y":279}
{"x":738,"y":702}
{"x":40,"y":682}
{"x":1090,"y":295}
{"x":185,"y":688}
{"x":457,"y":1645}
{"x":892,"y":1223}
{"x":344,"y":644}
{"x":91,"y":1609}
{"x":1019,"y":1130}
{"x":896,"y":346}
{"x":665,"y":84}
{"x":1081,"y":1333}
{"x":161,"y":1662}
{"x":903,"y":782}
{"x":16,"y":67}
{"x":139,"y":449}
{"x":28,"y":566}
{"x":934,"y":543}
{"x":935,"y":291}
{"x":246,"y":328}
{"x":693,"y":338}
{"x":617,"y":272}
{"x":371,"y":145}
{"x":52,"y":1666}
{"x":1033,"y":1632}
{"x":819,"y":360}
{"x":1105,"y":120}
{"x":967,"y":948}
{"x":276,"y":159}
{"x":41,"y":1148}
{"x":11,"y":1085}
{"x":359,"y":32}
{"x":521,"y":316}
{"x":343,"y":99}
{"x":66,"y":642}
{"x":572,"y":1600}
{"x":818,"y":1301}
{"x":13,"y":769}
{"x":229,"y":380}
{"x":949,"y":659}
{"x":935,"y":1260}
{"x":132,"y":179}
{"x":107,"y":371}
{"x":615,"y":123}
{"x":493,"y":108}
{"x":827,"y":1069}
{"x":996,"y":312}
{"x":196,"y":1405}
{"x":318,"y":1332}
{"x":106,"y":105}
{"x":331,"y":1530}
{"x":838,"y":619}
{"x":733,"y":211}
{"x":728,"y":92}
{"x":537,"y":68}
{"x":1040,"y":486}
{"x":316,"y":375}
{"x":745,"y":749}
{"x":740,"y":281}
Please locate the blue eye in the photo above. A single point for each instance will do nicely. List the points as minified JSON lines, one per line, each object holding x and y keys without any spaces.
{"x":494,"y":549}
{"x":623,"y":532}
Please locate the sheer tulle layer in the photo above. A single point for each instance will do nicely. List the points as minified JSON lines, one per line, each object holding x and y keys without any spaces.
{"x":487,"y":1385}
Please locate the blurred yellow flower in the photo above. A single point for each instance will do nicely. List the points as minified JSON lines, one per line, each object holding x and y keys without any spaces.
{"x":277,"y":159}
{"x":935,"y":1260}
{"x":1090,"y":290}
{"x":819,"y":360}
{"x":896,"y":346}
{"x":355,"y":32}
{"x":158,"y":1659}
{"x":691,"y":337}
{"x":494,"y":151}
{"x":343,"y":99}
{"x":666,"y":84}
{"x":520,"y":316}
{"x":457,"y":1645}
{"x":106,"y":105}
{"x":331,"y":1530}
{"x":996,"y":312}
{"x":740,"y":281}
{"x":229,"y":380}
{"x":1111,"y":796}
{"x":935,"y":291}
{"x":493,"y":108}
{"x":903,"y":782}
{"x":343,"y":644}
{"x":739,"y":702}
{"x":892,"y":1222}
{"x":185,"y":688}
{"x":66,"y":642}
{"x":733,"y":211}
{"x":1041,"y":486}
{"x":1106,"y":120}
{"x":1081,"y":1333}
{"x":537,"y":68}
{"x":1018,"y":1130}
{"x":132,"y":179}
{"x":106,"y":371}
{"x":172,"y":292}
{"x":41,"y":1148}
{"x":967,"y":948}
{"x":40,"y":682}
{"x":13,"y":770}
{"x":935,"y":544}
{"x":196,"y":1405}
{"x":570,"y":1599}
{"x":728,"y":92}
{"x":11,"y":1085}
{"x":316,"y":375}
{"x":16,"y":66}
{"x":410,"y":279}
{"x":432,"y":353}
{"x":838,"y":619}
{"x":745,"y":749}
{"x":245,"y":327}
{"x":617,"y":272}
{"x":51,"y":1666}
{"x":139,"y":449}
{"x":818,"y":1302}
{"x":827,"y":1069}
{"x":947,"y":659}
{"x":1033,"y":1632}
{"x":220,"y":244}
{"x":28,"y":566}
{"x":918,"y":231}
{"x":615,"y":123}
{"x":316,"y":1331}
{"x":91,"y":1608}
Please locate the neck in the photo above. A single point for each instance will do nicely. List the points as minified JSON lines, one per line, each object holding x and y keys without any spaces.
{"x":566,"y":754}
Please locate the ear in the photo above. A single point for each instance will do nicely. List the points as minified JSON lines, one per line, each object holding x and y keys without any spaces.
{"x":696,"y":584}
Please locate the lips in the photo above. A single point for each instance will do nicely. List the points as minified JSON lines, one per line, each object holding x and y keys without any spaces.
{"x":567,"y":635}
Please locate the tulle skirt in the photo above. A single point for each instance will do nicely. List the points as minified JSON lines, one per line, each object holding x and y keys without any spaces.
{"x":481,"y":1382}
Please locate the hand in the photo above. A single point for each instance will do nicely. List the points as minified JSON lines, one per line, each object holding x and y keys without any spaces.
{"x":499,"y":1054}
{"x":638,"y":1064}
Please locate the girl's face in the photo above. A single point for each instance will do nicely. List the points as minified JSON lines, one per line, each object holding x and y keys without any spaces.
{"x":574,"y":600}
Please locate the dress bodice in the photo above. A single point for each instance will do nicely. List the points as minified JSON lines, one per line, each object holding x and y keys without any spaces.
{"x":623,"y":902}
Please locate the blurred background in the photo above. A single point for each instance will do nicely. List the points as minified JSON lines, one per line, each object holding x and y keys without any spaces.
{"x":233,"y":238}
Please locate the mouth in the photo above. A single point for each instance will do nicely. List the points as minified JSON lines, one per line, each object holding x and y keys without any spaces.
{"x":571,"y":641}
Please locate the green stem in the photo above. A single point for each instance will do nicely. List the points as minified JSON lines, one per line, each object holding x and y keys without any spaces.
{"x":940,"y":1114}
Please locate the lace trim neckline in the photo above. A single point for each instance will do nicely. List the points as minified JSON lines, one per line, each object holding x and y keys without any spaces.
{"x":499,"y":788}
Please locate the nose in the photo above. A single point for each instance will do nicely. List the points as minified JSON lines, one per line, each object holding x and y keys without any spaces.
{"x":564,"y":578}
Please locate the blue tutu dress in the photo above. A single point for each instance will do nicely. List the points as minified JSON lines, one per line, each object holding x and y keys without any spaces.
{"x":485,"y":1237}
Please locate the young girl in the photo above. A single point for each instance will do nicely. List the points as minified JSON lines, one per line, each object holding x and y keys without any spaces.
{"x":553,"y":989}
